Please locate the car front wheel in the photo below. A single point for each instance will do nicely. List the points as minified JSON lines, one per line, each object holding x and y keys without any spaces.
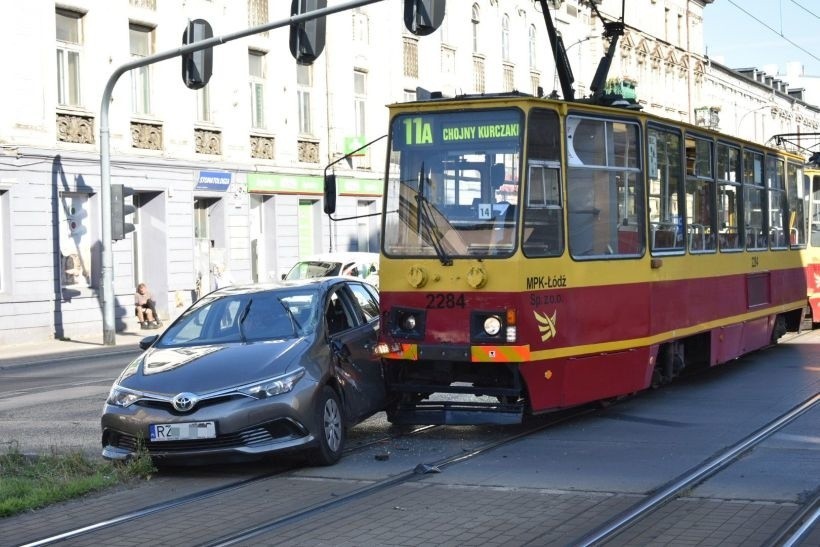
{"x":332,"y":429}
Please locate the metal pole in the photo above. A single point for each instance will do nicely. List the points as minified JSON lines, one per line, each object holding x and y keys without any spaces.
{"x":109,"y":332}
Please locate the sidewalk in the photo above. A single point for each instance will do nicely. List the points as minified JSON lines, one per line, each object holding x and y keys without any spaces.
{"x":51,"y":349}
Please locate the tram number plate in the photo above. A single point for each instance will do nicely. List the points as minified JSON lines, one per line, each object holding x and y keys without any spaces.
{"x":445,"y":300}
{"x":183,"y":432}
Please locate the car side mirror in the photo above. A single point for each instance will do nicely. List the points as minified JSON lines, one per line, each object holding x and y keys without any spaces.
{"x":148,"y":341}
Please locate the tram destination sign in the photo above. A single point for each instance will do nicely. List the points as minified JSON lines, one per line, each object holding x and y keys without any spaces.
{"x":491,"y":127}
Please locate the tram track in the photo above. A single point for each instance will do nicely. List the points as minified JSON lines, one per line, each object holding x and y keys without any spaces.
{"x":415,"y":474}
{"x":203,"y":495}
{"x":87,"y":534}
{"x":280,"y":519}
{"x":693,"y":477}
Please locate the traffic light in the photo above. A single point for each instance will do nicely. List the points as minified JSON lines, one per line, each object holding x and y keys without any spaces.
{"x":119,"y":211}
{"x":423,"y":17}
{"x":307,"y":39}
{"x":197,"y":66}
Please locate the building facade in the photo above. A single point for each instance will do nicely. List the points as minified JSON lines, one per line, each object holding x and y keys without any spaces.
{"x":227,"y":179}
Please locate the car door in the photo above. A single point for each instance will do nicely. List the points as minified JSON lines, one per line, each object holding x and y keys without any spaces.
{"x":353,"y":337}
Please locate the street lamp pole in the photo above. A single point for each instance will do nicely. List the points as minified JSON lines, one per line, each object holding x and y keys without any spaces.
{"x":743,"y":117}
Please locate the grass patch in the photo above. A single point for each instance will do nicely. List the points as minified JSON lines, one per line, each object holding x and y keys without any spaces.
{"x":32,"y":482}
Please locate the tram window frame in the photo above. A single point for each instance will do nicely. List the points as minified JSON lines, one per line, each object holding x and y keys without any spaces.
{"x":701,"y":189}
{"x":814,"y":192}
{"x":778,"y":204}
{"x":608,"y":165}
{"x":543,"y":232}
{"x":729,"y":198}
{"x":543,"y":222}
{"x":797,"y":218}
{"x":754,"y":193}
{"x":665,"y":190}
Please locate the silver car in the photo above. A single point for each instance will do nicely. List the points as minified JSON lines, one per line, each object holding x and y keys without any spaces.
{"x":251,"y":370}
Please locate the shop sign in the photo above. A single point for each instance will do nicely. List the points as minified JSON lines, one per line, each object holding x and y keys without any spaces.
{"x":215,"y":181}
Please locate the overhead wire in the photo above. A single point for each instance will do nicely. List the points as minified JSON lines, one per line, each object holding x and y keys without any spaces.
{"x":804,"y":8}
{"x":798,"y":46}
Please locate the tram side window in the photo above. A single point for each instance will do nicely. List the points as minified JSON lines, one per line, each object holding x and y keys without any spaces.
{"x":665,"y":191}
{"x":729,"y":197}
{"x":815,"y":211}
{"x":797,"y":215}
{"x":754,"y":201}
{"x":604,"y":199}
{"x":543,"y":233}
{"x":778,"y":206}
{"x":543,"y":215}
{"x":700,"y":210}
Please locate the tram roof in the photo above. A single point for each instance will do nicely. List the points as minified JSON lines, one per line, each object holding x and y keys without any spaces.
{"x":623,"y":106}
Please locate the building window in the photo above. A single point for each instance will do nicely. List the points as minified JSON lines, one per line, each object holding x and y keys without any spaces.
{"x":474,"y":19}
{"x":505,"y":37}
{"x":75,"y":240}
{"x":361,"y":28}
{"x":478,"y":74}
{"x":532,"y":47}
{"x":448,"y":60}
{"x":411,"y":57}
{"x":141,"y":40}
{"x":258,"y":13}
{"x":535,"y":85}
{"x":256,"y":72}
{"x":69,"y":44}
{"x":304,"y":81}
{"x":359,"y":100}
{"x":509,"y":78}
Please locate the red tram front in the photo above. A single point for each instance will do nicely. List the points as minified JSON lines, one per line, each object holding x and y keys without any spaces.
{"x":540,"y":254}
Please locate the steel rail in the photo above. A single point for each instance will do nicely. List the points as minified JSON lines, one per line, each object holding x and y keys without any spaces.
{"x":691,"y":478}
{"x":415,"y":474}
{"x":197,"y":496}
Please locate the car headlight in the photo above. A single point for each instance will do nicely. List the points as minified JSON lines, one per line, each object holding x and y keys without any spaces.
{"x":273,"y":386}
{"x":124,"y":397}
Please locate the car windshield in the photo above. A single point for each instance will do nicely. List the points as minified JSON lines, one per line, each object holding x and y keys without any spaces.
{"x":245,"y":317}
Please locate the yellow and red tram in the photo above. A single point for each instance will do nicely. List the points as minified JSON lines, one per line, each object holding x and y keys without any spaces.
{"x":812,"y":252}
{"x":539,"y":254}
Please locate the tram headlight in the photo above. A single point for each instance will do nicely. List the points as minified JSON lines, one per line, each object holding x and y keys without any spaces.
{"x":492,"y":325}
{"x":407,"y":323}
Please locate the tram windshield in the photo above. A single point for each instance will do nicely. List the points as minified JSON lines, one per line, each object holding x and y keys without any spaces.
{"x":453,"y":184}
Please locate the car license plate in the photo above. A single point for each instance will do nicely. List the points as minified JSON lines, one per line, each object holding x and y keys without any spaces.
{"x":183,"y":432}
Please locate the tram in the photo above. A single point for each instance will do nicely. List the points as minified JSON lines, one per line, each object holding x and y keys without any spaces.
{"x":812,"y":252}
{"x":539,"y":254}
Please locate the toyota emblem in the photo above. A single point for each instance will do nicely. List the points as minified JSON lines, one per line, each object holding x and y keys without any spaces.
{"x":184,"y":402}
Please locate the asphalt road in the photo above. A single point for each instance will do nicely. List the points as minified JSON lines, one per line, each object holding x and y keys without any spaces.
{"x":618,"y":453}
